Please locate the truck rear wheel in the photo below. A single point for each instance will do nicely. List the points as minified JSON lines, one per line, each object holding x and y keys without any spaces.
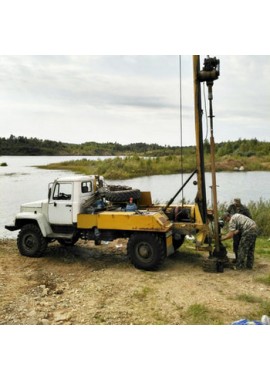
{"x":146,"y":251}
{"x":30,"y":241}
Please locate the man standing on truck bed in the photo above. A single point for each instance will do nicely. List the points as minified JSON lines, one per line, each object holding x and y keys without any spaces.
{"x":247,"y":228}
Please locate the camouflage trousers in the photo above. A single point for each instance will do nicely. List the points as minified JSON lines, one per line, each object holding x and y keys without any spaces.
{"x":245,"y":254}
{"x":236,"y":241}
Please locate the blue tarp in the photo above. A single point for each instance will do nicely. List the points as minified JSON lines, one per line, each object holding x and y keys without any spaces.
{"x":265,"y":320}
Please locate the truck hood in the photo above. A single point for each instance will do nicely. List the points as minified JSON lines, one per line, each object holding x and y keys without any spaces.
{"x":36,"y":204}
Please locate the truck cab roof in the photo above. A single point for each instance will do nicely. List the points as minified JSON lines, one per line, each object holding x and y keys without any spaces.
{"x":77,"y":178}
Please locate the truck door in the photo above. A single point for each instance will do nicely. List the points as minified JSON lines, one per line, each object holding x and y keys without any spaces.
{"x":60,"y":204}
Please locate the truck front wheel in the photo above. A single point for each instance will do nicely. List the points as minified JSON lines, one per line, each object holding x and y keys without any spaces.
{"x":146,"y":251}
{"x":30,"y":241}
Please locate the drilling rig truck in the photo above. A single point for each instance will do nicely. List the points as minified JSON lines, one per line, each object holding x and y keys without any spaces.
{"x":85,"y":207}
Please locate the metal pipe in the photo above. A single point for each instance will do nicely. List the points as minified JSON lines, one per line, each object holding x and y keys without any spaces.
{"x":213,"y":169}
{"x":201,"y":193}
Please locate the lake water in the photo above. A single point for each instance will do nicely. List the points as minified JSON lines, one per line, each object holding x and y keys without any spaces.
{"x":21,"y":182}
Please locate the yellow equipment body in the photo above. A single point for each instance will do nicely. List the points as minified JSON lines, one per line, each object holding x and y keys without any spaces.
{"x":129,"y":221}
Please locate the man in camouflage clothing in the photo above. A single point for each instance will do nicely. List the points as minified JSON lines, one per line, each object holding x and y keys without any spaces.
{"x":237,"y":208}
{"x":247,"y":228}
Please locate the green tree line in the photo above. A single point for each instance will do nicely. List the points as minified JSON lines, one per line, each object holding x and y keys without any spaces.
{"x":242,"y":148}
{"x":17,"y":146}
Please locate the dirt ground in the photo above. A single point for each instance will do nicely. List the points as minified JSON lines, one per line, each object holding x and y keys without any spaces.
{"x":94,"y":285}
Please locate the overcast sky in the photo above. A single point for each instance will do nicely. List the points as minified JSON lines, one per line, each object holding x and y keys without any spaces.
{"x":129,"y":99}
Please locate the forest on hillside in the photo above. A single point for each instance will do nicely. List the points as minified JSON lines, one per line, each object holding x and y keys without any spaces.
{"x":20,"y":146}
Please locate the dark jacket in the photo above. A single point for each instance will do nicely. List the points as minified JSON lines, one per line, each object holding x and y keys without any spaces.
{"x":233,"y":209}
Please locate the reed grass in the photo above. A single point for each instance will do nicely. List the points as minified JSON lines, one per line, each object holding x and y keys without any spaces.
{"x":126,"y":167}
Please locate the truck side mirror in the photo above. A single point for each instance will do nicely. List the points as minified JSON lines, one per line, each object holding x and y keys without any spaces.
{"x":50,"y":191}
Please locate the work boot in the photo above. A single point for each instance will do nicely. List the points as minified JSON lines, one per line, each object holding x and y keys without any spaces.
{"x":235,"y":267}
{"x":238,"y":266}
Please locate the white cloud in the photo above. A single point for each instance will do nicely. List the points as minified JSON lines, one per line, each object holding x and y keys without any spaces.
{"x":128,"y":98}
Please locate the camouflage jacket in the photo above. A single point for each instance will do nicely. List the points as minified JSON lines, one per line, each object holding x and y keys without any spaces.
{"x":243,"y":224}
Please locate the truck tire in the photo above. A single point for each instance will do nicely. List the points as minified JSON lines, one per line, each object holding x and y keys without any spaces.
{"x":123,"y":195}
{"x":118,"y":187}
{"x":30,"y":241}
{"x":146,"y":251}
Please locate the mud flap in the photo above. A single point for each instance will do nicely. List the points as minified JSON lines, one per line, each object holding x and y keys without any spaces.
{"x":169,"y":243}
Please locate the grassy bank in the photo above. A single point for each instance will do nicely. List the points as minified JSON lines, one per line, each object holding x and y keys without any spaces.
{"x":136,"y":166}
{"x":127,"y":167}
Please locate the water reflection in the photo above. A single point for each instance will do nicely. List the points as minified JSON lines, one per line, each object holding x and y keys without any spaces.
{"x":249,"y":186}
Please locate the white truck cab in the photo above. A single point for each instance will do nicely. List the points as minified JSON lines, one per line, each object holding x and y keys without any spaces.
{"x":57,"y":215}
{"x":67,"y":196}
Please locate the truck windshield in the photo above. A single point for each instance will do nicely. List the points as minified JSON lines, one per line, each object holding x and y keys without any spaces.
{"x":62,"y":191}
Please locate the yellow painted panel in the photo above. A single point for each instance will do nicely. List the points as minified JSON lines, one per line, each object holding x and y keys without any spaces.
{"x":86,"y":220}
{"x":198,"y":217}
{"x":125,"y":221}
{"x":145,"y":199}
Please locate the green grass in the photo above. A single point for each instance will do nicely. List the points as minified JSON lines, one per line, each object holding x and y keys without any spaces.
{"x":142,"y":293}
{"x":128,"y":167}
{"x":198,"y":314}
{"x":263,"y":243}
{"x":138,"y":166}
{"x":264,"y":308}
{"x":264,"y":280}
{"x":248,"y":298}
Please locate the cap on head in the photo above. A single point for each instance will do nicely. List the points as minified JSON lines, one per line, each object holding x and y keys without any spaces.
{"x":226,"y":215}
